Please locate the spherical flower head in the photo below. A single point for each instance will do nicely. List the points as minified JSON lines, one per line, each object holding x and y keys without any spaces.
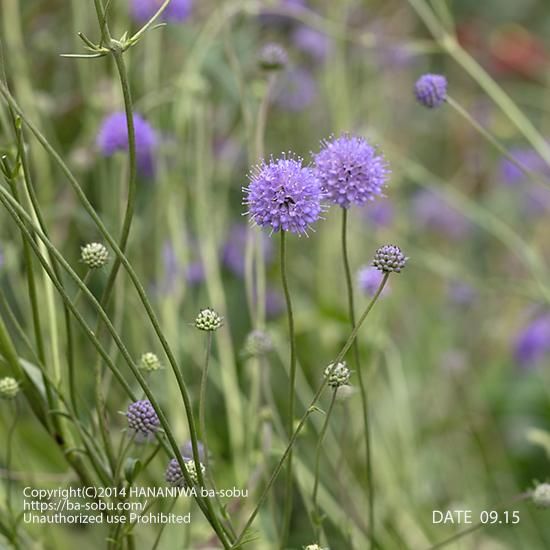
{"x":174,"y":475}
{"x":351,"y":171}
{"x":258,"y":343}
{"x":284,"y":195}
{"x":177,"y":11}
{"x":312,"y":42}
{"x":541,"y":495}
{"x":113,"y":137}
{"x":142,"y":418}
{"x":208,"y":320}
{"x":337,"y":374}
{"x":149,"y":362}
{"x":94,"y":255}
{"x":431,"y":90}
{"x":369,"y":279}
{"x":273,"y":57}
{"x":9,"y":387}
{"x":389,"y":258}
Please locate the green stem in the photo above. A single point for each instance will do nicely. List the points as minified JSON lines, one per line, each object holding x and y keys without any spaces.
{"x":362,"y":385}
{"x":287,"y":510}
{"x":309,"y":410}
{"x":9,"y":453}
{"x":18,"y":215}
{"x":317,"y":520}
{"x":202,"y":399}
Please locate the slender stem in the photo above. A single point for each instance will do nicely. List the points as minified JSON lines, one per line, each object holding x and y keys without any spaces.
{"x":317,"y":520}
{"x":18,"y":215}
{"x":289,"y":489}
{"x":9,"y":453}
{"x":309,"y":410}
{"x":202,"y":399}
{"x":362,"y":385}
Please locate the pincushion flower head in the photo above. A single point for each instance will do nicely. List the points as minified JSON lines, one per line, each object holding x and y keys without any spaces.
{"x":9,"y":387}
{"x":431,"y":90}
{"x":174,"y":475}
{"x":389,"y":258}
{"x":113,"y":137}
{"x":177,"y":11}
{"x":284,"y":195}
{"x":351,"y":171}
{"x":532,"y":344}
{"x":142,"y":419}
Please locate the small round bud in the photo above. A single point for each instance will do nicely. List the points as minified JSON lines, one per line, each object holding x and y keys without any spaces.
{"x":149,"y":362}
{"x":337,"y":374}
{"x":258,"y":343}
{"x":541,"y":495}
{"x":94,"y":255}
{"x":273,"y":57}
{"x":208,"y":320}
{"x":314,"y":547}
{"x":9,"y":387}
{"x":431,"y":90}
{"x":174,"y":475}
{"x":389,"y":258}
{"x":142,"y":418}
{"x":345,"y":393}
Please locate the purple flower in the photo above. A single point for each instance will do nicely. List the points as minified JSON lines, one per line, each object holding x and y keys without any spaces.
{"x":431,"y":211}
{"x":369,"y":279}
{"x":113,"y":137}
{"x":295,"y":90}
{"x":461,"y":293}
{"x":312,"y":42}
{"x":284,"y":195}
{"x":233,"y":252}
{"x":142,"y":419}
{"x":187,"y":450}
{"x":431,"y":90}
{"x":533,"y":342}
{"x":176,"y":11}
{"x":194,"y":273}
{"x":389,"y":259}
{"x":351,"y":171}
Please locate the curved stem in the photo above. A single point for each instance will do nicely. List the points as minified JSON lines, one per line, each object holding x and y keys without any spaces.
{"x":309,"y":410}
{"x":18,"y":215}
{"x":362,"y":385}
{"x":287,"y":509}
{"x":317,"y":521}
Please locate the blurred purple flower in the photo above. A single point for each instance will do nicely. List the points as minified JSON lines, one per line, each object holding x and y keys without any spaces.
{"x":369,"y":279}
{"x":461,"y":293}
{"x":233,"y":252}
{"x":274,"y":303}
{"x":312,"y":42}
{"x":194,"y":273}
{"x":295,"y":90}
{"x":433,"y":212}
{"x":113,"y":137}
{"x":533,"y":342}
{"x":380,"y":213}
{"x":187,"y":450}
{"x":269,"y":17}
{"x":174,"y":272}
{"x":176,"y":11}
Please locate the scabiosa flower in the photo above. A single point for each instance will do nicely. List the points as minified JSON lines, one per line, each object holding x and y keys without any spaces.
{"x":533,"y":342}
{"x":187,"y":450}
{"x":284,"y":195}
{"x":142,"y":419}
{"x":389,"y":258}
{"x":312,"y":42}
{"x":113,"y":137}
{"x":369,"y":279}
{"x":337,"y":374}
{"x":432,"y":212}
{"x":379,"y":213}
{"x":94,"y":255}
{"x":295,"y":90}
{"x":273,"y":57}
{"x":176,"y":11}
{"x":351,"y":171}
{"x":150,"y":362}
{"x":431,"y":90}
{"x":208,"y":320}
{"x":9,"y":388}
{"x":174,"y":475}
{"x":541,"y":495}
